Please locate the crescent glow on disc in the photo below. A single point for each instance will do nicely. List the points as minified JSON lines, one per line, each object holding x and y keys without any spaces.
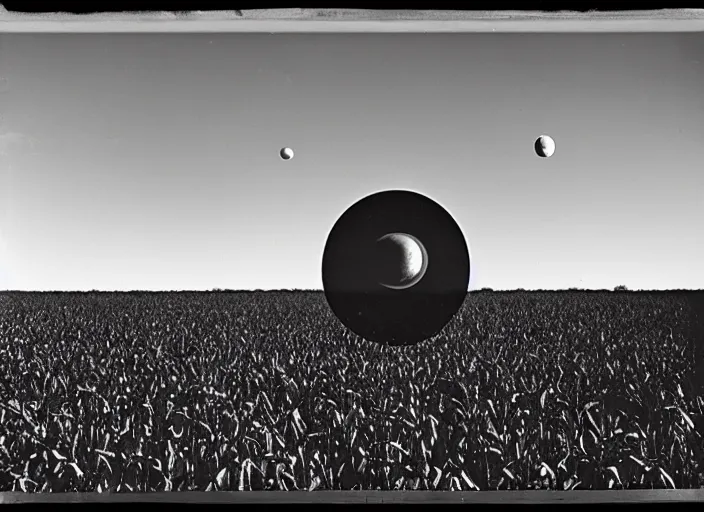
{"x":424,"y":263}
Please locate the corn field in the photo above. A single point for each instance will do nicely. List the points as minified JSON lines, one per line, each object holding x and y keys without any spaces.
{"x":268,"y":391}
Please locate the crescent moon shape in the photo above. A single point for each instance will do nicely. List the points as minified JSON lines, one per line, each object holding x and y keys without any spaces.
{"x":545,"y":146}
{"x":409,"y":244}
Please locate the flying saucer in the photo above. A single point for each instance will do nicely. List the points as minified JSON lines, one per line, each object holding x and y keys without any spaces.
{"x":395,"y":268}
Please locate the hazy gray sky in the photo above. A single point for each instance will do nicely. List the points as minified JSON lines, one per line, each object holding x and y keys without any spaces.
{"x":136,"y":161}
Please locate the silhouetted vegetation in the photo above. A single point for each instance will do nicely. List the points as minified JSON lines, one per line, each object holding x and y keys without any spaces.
{"x":267,"y":390}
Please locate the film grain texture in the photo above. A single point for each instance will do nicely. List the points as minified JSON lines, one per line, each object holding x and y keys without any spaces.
{"x":162,"y":321}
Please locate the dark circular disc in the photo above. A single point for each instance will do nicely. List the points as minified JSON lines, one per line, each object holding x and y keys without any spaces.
{"x":352,"y":268}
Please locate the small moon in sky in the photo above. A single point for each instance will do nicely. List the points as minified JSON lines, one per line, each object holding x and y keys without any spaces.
{"x":403,"y":260}
{"x":545,"y":146}
{"x":286,"y":153}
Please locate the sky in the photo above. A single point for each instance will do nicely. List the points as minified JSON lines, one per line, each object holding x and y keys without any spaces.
{"x":151,"y":162}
